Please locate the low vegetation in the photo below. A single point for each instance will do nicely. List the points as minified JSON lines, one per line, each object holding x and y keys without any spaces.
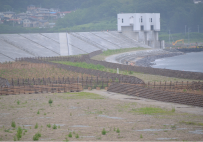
{"x":104,"y":132}
{"x":151,"y":111}
{"x":83,"y":95}
{"x":36,"y":136}
{"x":13,"y":124}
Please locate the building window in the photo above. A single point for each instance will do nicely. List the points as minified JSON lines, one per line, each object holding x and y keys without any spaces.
{"x":141,"y":19}
{"x":152,"y":27}
{"x":151,"y":19}
{"x":122,"y":20}
{"x":142,"y":28}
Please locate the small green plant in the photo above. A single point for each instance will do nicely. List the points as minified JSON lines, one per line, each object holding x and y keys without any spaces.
{"x":36,"y":136}
{"x":141,"y":136}
{"x":117,"y":131}
{"x":66,"y":140}
{"x":54,"y":126}
{"x":13,"y":124}
{"x":36,"y":125}
{"x":50,"y":101}
{"x":173,"y":109}
{"x":49,"y":125}
{"x":19,"y":133}
{"x":38,"y":112}
{"x":14,"y":139}
{"x":18,"y":102}
{"x":103,"y":132}
{"x":173,"y":127}
{"x":70,"y":135}
{"x":25,"y":130}
{"x":45,"y":114}
{"x":77,"y":136}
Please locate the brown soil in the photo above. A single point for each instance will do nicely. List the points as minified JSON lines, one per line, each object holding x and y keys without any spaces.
{"x":87,"y":114}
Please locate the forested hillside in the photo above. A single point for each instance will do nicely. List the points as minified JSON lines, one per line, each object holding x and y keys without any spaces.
{"x":91,"y":15}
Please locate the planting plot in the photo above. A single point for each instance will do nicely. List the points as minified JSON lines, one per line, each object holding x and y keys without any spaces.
{"x":85,"y":116}
{"x":32,"y":70}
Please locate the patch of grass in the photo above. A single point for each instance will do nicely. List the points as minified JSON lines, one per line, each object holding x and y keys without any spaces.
{"x":7,"y":131}
{"x":54,"y":126}
{"x":13,"y":124}
{"x":173,"y":109}
{"x":36,"y":136}
{"x":191,"y":123}
{"x":103,"y":132}
{"x":36,"y":125}
{"x":70,"y":135}
{"x":49,"y":125}
{"x":77,"y":136}
{"x":18,"y":102}
{"x":45,"y":114}
{"x":151,"y":111}
{"x":83,"y":95}
{"x":38,"y":112}
{"x":117,"y":131}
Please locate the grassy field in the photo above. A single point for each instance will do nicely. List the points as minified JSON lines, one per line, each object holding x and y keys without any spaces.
{"x":116,"y":51}
{"x":145,"y":77}
{"x":86,"y":116}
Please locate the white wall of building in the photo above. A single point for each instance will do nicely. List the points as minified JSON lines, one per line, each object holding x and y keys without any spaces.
{"x":143,"y":27}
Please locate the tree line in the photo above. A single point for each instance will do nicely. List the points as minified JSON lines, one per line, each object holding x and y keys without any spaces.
{"x":177,"y":16}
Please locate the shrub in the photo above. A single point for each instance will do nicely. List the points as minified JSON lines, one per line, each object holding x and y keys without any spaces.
{"x":13,"y":124}
{"x":49,"y":125}
{"x":54,"y":126}
{"x":103,"y":132}
{"x":36,"y":125}
{"x":77,"y":136}
{"x":141,"y":136}
{"x":70,"y":135}
{"x":117,"y":131}
{"x":18,"y":102}
{"x":19,"y":133}
{"x":38,"y":112}
{"x":50,"y":101}
{"x":36,"y":136}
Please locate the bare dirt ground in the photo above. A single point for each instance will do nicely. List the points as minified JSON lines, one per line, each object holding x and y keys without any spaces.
{"x":86,"y":114}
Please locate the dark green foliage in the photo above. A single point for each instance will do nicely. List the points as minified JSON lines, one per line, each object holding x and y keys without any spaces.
{"x":13,"y":124}
{"x":36,"y":136}
{"x":70,"y":135}
{"x":54,"y":126}
{"x":50,"y":101}
{"x":103,"y":132}
{"x":36,"y":125}
{"x":19,"y":133}
{"x":49,"y":125}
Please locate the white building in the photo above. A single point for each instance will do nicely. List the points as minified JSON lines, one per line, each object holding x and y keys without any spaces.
{"x":143,"y":27}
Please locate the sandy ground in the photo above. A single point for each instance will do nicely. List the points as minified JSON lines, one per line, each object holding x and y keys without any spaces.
{"x":87,"y":114}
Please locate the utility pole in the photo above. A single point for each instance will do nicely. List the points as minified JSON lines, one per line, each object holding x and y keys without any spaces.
{"x":198,"y":28}
{"x":188,"y":35}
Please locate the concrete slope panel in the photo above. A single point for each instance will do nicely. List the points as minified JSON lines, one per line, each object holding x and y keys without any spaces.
{"x":98,"y":40}
{"x":52,"y":36}
{"x":29,"y":45}
{"x":63,"y":44}
{"x":4,"y":58}
{"x":75,"y":51}
{"x":111,"y":38}
{"x":12,"y":51}
{"x":44,"y":41}
{"x":81,"y":44}
{"x":133,"y":43}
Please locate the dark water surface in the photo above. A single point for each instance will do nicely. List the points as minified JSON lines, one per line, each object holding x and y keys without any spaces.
{"x":188,"y":62}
